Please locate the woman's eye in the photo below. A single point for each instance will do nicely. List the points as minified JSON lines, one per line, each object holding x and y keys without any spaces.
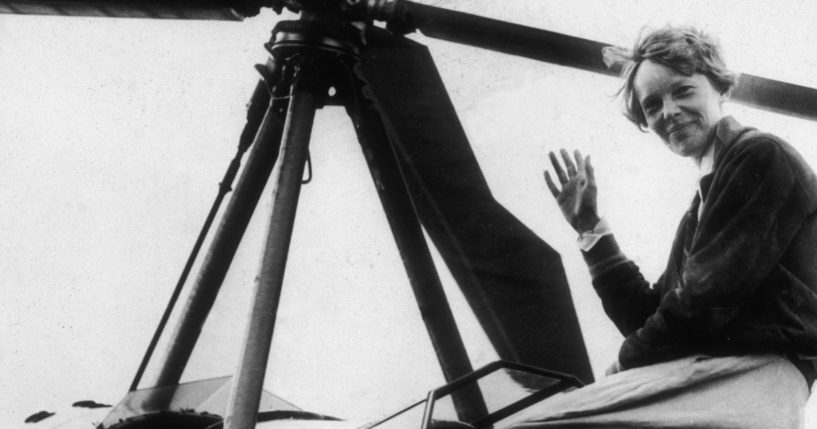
{"x":684,"y":90}
{"x":651,"y":108}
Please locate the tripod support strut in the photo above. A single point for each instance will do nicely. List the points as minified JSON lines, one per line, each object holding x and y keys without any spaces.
{"x":224,"y":244}
{"x":309,"y":58}
{"x":248,"y":382}
{"x":414,"y":251}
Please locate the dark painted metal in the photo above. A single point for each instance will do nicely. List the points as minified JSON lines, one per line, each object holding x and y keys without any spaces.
{"x":576,"y":52}
{"x":260,"y":99}
{"x":408,"y":234}
{"x":406,"y":16}
{"x":500,"y":36}
{"x":224,"y":245}
{"x":777,"y":96}
{"x":513,"y":280}
{"x":232,"y":10}
{"x":246,"y":392}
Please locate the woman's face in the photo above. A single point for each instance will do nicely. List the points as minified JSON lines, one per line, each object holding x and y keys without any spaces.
{"x":682,"y":110}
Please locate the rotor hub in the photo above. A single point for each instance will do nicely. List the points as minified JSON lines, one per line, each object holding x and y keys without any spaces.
{"x":290,"y":37}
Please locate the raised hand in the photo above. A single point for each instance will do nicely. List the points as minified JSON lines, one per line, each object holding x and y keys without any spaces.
{"x":577,"y":197}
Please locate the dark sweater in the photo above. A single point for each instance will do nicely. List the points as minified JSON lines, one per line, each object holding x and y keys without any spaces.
{"x":742,"y":278}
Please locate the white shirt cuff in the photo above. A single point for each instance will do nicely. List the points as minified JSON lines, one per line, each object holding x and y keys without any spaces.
{"x":588,"y":239}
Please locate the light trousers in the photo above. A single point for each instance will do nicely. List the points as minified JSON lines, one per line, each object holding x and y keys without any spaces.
{"x":736,"y":392}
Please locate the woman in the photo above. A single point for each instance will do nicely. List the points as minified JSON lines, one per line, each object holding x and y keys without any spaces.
{"x":728,"y":334}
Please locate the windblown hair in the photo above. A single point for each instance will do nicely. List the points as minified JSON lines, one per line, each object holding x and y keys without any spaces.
{"x":683,"y":49}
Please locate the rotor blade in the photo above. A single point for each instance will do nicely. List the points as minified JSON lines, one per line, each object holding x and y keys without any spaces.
{"x":776,"y":96}
{"x":500,"y":36}
{"x":158,"y":9}
{"x":556,"y":48}
{"x":514,"y":282}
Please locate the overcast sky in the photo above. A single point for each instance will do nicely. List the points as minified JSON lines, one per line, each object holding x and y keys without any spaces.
{"x":115,"y":134}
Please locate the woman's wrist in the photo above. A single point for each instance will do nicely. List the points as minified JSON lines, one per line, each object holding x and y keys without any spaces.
{"x":586,"y":225}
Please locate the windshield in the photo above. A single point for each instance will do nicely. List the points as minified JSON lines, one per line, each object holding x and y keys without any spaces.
{"x":504,"y":388}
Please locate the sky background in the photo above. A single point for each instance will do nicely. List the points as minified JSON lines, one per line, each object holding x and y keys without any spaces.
{"x":116,"y":132}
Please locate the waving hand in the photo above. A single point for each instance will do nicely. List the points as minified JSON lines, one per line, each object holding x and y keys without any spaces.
{"x":577,"y":197}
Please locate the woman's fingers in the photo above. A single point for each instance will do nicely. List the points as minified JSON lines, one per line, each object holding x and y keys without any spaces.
{"x":571,"y":168}
{"x":577,"y":168}
{"x":558,"y":168}
{"x":552,"y":186}
{"x":579,"y":161}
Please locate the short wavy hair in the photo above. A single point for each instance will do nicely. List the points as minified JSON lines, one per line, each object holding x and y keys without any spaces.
{"x":686,"y":50}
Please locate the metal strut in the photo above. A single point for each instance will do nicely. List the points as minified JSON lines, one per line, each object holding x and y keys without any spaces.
{"x":309,"y":57}
{"x":248,"y":384}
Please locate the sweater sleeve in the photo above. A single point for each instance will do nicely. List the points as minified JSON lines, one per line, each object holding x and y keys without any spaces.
{"x":752,"y":213}
{"x":625,"y":295}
